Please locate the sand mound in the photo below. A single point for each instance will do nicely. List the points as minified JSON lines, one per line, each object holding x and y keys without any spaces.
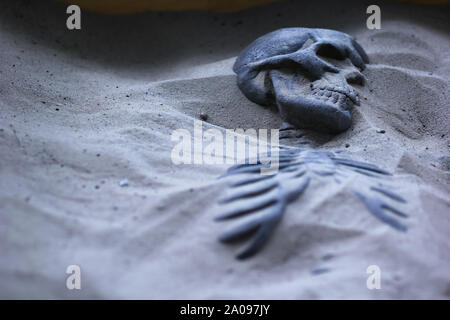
{"x":82,"y":111}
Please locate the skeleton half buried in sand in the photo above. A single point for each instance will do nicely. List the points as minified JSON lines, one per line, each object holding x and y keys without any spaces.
{"x":308,"y":74}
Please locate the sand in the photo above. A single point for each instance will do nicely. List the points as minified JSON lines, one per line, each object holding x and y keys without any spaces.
{"x":80,"y":111}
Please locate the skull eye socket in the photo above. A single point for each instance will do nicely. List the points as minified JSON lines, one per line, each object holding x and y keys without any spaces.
{"x":328,"y":50}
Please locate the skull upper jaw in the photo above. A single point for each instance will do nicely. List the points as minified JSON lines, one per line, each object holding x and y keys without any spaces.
{"x":308,"y":113}
{"x":301,"y":107}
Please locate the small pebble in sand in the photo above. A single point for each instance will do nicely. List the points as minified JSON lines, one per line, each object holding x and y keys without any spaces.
{"x":328,"y":256}
{"x":124,"y":183}
{"x":203,"y":116}
{"x":381,"y":131}
{"x":319,"y":270}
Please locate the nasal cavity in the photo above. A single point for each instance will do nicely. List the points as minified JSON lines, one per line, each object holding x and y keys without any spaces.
{"x":355,"y":77}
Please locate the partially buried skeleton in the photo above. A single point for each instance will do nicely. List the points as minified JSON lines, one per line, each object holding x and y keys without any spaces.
{"x":291,"y":68}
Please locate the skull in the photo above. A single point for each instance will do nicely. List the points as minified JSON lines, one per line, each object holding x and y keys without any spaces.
{"x":306,"y":73}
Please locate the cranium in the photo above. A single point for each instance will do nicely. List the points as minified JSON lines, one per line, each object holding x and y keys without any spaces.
{"x":307,"y":73}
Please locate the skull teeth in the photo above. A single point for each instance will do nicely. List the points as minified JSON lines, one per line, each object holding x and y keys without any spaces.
{"x":332,"y":95}
{"x":335,"y":97}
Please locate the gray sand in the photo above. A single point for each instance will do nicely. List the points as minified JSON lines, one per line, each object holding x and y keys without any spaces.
{"x":81,"y":111}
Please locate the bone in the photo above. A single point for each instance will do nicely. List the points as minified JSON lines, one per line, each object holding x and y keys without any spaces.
{"x":278,"y":50}
{"x":335,"y":97}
